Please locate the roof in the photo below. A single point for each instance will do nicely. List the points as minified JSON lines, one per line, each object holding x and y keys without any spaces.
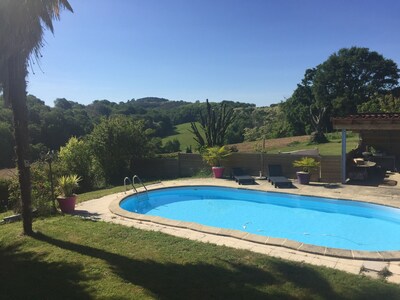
{"x":368,"y":121}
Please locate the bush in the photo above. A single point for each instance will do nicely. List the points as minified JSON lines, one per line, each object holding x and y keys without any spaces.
{"x":41,"y":191}
{"x":4,"y":194}
{"x":76,"y":158}
{"x":172,"y":146}
{"x":116,"y":143}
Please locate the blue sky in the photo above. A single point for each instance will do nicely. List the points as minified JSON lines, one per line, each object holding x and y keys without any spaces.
{"x":252,"y":51}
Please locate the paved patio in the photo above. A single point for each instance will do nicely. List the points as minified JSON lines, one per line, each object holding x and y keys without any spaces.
{"x":385,"y":195}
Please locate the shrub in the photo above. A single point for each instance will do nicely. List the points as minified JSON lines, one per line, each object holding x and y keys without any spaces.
{"x":41,"y":191}
{"x":116,"y":142}
{"x":172,"y":146}
{"x":76,"y":158}
{"x":4,"y":194}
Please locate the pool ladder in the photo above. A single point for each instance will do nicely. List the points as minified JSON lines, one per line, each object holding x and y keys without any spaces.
{"x":132,"y":182}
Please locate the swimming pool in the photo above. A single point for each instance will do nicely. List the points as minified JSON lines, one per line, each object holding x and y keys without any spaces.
{"x":317,"y":221}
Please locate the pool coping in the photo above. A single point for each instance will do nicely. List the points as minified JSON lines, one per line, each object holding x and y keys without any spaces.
{"x":115,"y":208}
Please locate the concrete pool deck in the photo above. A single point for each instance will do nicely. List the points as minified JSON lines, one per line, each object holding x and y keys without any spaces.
{"x":368,"y":263}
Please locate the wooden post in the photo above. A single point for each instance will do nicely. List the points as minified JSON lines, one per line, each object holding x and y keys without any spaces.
{"x":343,"y":155}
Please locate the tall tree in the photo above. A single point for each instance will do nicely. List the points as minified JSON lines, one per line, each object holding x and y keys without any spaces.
{"x":336,"y":87}
{"x":22,"y":24}
{"x":351,"y":77}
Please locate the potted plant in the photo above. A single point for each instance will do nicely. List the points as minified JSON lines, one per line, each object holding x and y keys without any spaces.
{"x":307,"y":164}
{"x":66,"y":186}
{"x":213,"y":157}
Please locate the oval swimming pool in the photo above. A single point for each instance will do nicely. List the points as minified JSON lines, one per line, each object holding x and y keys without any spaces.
{"x":311,"y":220}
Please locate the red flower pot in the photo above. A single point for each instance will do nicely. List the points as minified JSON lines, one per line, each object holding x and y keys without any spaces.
{"x":67,"y":204}
{"x":218,"y":172}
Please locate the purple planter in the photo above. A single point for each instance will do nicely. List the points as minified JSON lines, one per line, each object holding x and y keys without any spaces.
{"x":303,"y":177}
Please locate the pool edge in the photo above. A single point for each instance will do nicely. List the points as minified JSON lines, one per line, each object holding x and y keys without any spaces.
{"x":387,"y":256}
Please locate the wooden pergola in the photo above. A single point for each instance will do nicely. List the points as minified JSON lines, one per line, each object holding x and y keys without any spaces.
{"x":380,"y":130}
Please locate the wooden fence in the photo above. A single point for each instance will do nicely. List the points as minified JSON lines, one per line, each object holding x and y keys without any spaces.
{"x":186,"y":165}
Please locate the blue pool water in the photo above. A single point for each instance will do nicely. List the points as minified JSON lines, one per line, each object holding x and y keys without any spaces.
{"x":312,"y":220}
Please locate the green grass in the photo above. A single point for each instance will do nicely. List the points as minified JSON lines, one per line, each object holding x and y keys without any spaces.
{"x":109,"y":191}
{"x":183,"y":136}
{"x":334,"y":147}
{"x":100,"y":193}
{"x":72,"y":258}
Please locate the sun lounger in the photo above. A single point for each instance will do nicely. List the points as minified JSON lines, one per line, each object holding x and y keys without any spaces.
{"x":280,"y":182}
{"x":276,"y":177}
{"x":274,"y":171}
{"x":242,"y":178}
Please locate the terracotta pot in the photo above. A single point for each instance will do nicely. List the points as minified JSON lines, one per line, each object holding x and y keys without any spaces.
{"x":303,"y":177}
{"x":218,"y":172}
{"x":67,"y":204}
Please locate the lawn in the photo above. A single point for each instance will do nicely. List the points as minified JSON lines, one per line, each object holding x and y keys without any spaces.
{"x":72,"y":258}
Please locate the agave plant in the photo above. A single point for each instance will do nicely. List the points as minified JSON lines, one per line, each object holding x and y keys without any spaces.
{"x":68,"y":184}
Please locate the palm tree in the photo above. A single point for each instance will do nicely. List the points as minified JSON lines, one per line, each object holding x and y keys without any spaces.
{"x":22,"y":24}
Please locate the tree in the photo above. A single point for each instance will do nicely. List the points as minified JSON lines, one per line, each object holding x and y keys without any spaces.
{"x":336,"y":87}
{"x":297,"y":107}
{"x":21,"y":35}
{"x":214,"y":125}
{"x":351,"y":77}
{"x":381,"y":104}
{"x":116,"y":142}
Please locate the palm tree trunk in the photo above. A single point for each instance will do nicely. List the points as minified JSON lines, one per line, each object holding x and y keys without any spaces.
{"x":16,"y":95}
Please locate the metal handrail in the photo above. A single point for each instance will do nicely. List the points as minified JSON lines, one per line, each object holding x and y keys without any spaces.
{"x":133,"y":186}
{"x":132,"y":182}
{"x":140,"y":181}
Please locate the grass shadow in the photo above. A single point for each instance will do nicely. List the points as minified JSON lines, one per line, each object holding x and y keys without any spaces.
{"x":26,"y":273}
{"x":206,"y":281}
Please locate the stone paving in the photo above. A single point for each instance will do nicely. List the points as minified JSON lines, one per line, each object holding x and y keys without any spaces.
{"x":99,"y":209}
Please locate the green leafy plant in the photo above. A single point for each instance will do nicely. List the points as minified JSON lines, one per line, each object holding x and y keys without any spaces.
{"x":306,"y":163}
{"x":214,"y":155}
{"x":68,"y":184}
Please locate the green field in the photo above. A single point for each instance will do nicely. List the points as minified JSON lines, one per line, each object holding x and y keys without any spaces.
{"x":334,"y":147}
{"x":183,"y":135}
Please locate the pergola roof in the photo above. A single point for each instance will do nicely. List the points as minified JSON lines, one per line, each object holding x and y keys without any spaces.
{"x":368,"y":121}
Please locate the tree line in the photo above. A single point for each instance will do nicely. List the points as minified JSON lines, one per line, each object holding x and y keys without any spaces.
{"x":52,"y":127}
{"x":350,"y":81}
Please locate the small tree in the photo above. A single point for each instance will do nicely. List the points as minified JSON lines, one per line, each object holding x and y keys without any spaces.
{"x":317,"y":116}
